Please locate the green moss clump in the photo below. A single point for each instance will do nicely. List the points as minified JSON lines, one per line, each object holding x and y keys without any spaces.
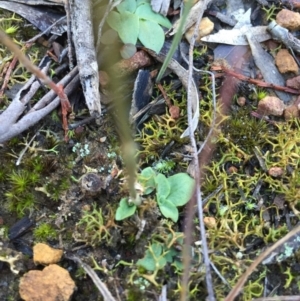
{"x":44,"y":232}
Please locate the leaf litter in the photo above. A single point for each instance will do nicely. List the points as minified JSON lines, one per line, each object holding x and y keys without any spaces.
{"x":134,"y":257}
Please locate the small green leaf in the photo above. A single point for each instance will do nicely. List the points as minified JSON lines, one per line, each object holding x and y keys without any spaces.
{"x":182,"y":188}
{"x":168,"y":209}
{"x":113,"y":20}
{"x":127,"y":5}
{"x":170,"y":254}
{"x":147,"y":179}
{"x":124,"y":210}
{"x":162,"y":186}
{"x":126,"y":24}
{"x":151,"y":35}
{"x":145,"y":12}
{"x":153,"y":259}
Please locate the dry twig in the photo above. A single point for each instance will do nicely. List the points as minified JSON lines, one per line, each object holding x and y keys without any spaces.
{"x":186,"y":256}
{"x":239,"y":285}
{"x":107,"y":296}
{"x":12,"y":114}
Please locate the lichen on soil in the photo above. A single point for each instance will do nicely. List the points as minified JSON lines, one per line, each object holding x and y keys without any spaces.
{"x":245,"y":212}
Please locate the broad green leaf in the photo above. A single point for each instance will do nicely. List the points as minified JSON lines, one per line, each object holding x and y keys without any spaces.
{"x":182,"y":188}
{"x":124,"y":210}
{"x":153,"y":259}
{"x":168,"y":210}
{"x":148,"y":172}
{"x":127,"y":5}
{"x":162,"y":186}
{"x":151,"y":35}
{"x":147,"y":179}
{"x":114,"y":19}
{"x":126,"y":24}
{"x":145,"y":12}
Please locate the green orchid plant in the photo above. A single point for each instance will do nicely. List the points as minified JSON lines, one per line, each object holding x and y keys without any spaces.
{"x":172,"y":192}
{"x":135,"y":20}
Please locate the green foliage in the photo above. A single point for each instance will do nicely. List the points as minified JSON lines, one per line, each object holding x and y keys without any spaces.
{"x":125,"y":209}
{"x":164,"y":166}
{"x":159,"y":132}
{"x":136,"y":20}
{"x":91,"y":227}
{"x":164,"y":249}
{"x":21,"y":180}
{"x":171,"y":193}
{"x":8,"y":26}
{"x":271,"y":12}
{"x":176,"y":40}
{"x":44,"y":232}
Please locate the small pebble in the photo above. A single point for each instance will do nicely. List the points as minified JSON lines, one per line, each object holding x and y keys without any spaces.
{"x":174,"y":112}
{"x":288,"y":19}
{"x":291,"y":112}
{"x":51,"y":284}
{"x":285,"y":62}
{"x":270,"y":105}
{"x":210,"y":222}
{"x":293,"y":82}
{"x":205,"y":28}
{"x":43,"y":254}
{"x":275,"y":172}
{"x":241,"y":101}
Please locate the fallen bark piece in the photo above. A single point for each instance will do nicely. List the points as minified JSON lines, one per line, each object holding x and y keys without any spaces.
{"x":83,"y":38}
{"x":52,"y":284}
{"x":265,"y":62}
{"x":43,"y":254}
{"x":288,"y":19}
{"x":236,"y":36}
{"x":235,"y":8}
{"x":37,"y":16}
{"x":281,"y":34}
{"x":161,"y":6}
{"x":270,"y":105}
{"x":285,"y":62}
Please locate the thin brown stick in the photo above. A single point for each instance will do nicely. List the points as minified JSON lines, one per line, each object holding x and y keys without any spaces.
{"x":11,"y":67}
{"x":101,"y":286}
{"x":279,"y":298}
{"x":198,"y":196}
{"x":239,"y":285}
{"x":257,"y":82}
